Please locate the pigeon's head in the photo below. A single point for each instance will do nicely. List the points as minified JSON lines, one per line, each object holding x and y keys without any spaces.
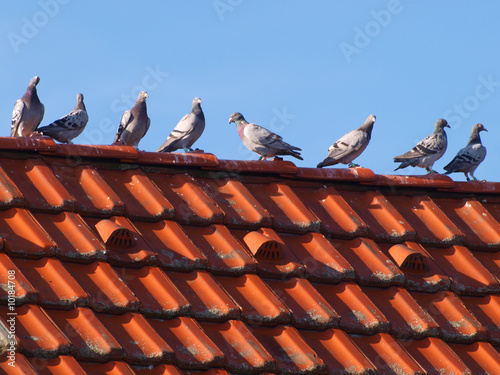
{"x":440,"y":124}
{"x":236,"y":117}
{"x":196,"y":100}
{"x":79,"y":98}
{"x":480,"y":128}
{"x":371,"y":119}
{"x":142,"y":96}
{"x":33,"y":82}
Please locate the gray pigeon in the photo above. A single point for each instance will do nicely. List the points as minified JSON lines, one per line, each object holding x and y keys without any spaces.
{"x":427,"y":151}
{"x":187,"y":131}
{"x":135,"y":123}
{"x":262,"y":141}
{"x":469,"y":157}
{"x":70,"y":126}
{"x":350,"y":146}
{"x":28,"y":112}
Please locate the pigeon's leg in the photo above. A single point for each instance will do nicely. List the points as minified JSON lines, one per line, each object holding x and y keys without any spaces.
{"x":353,"y":165}
{"x":185,"y":149}
{"x":467,"y":176}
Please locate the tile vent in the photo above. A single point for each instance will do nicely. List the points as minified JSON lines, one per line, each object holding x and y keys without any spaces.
{"x":262,"y":247}
{"x":408,"y":260}
{"x":115,"y":236}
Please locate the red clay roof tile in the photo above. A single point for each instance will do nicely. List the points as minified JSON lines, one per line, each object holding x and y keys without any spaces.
{"x":10,"y":195}
{"x":486,"y":309}
{"x":157,"y":370}
{"x":28,"y":144}
{"x":62,"y":365}
{"x":336,"y":174}
{"x":480,"y":357}
{"x":108,"y":368}
{"x":207,"y":300}
{"x":192,"y":159}
{"x":75,"y":153}
{"x":14,"y":284}
{"x":20,"y":367}
{"x":55,"y":286}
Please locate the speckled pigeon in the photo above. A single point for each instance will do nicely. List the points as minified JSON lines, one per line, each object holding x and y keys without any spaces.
{"x":28,"y":112}
{"x":135,"y":123}
{"x":350,"y":146}
{"x":262,"y":141}
{"x":187,"y":131}
{"x":427,"y":151}
{"x":70,"y":126}
{"x":469,"y":157}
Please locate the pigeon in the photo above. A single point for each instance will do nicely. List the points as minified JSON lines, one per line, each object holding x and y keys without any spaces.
{"x":469,"y":157}
{"x":187,"y":131}
{"x":350,"y":146}
{"x":262,"y":141}
{"x":28,"y":112}
{"x":427,"y":151}
{"x":135,"y":123}
{"x":69,"y":126}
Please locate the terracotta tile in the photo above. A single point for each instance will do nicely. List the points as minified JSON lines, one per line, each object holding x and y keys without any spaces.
{"x":28,"y":144}
{"x":141,"y":197}
{"x":456,"y":324}
{"x":386,"y":353}
{"x":40,"y":188}
{"x":476,"y":187}
{"x":14,"y":281}
{"x":76,"y":152}
{"x":258,"y":304}
{"x":139,"y":255}
{"x":289,"y":350}
{"x":207,"y":300}
{"x":198,"y":158}
{"x":467,"y":274}
{"x":486,"y":309}
{"x":480,"y":357}
{"x":10,"y":195}
{"x":56,"y":287}
{"x":288,"y":212}
{"x":337,"y":217}
{"x":491,"y":261}
{"x":107,"y":292}
{"x":339,"y":353}
{"x":383,"y":220}
{"x":88,"y":336}
{"x":140,"y":343}
{"x":159,"y":297}
{"x":157,"y":370}
{"x":240,"y":207}
{"x":288,"y":266}
{"x":478,"y":225}
{"x":108,"y":368}
{"x":22,"y":366}
{"x":435,"y":356}
{"x":406,"y":318}
{"x":93,"y":195}
{"x":173,"y":248}
{"x":73,"y":237}
{"x":371,"y":265}
{"x":62,"y":365}
{"x":428,"y":181}
{"x":309,"y":309}
{"x":336,"y":174}
{"x":37,"y":334}
{"x":23,"y":235}
{"x":357,"y":312}
{"x":193,"y":349}
{"x":243,"y":352}
{"x":192,"y":204}
{"x":225,"y":255}
{"x":322,"y":261}
{"x":431,"y":224}
{"x":431,"y":281}
{"x":215,"y":371}
{"x":270,"y":166}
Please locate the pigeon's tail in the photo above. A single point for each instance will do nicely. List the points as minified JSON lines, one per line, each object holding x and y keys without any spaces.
{"x":321,"y":165}
{"x":295,"y":154}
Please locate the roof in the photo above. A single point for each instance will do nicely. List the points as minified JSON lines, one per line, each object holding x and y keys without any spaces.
{"x":131,"y":262}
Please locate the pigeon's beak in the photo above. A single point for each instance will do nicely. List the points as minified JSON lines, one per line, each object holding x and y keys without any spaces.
{"x":230,"y":119}
{"x":485,"y":129}
{"x":447,"y":126}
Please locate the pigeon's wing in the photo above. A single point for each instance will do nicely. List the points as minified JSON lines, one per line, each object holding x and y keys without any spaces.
{"x":348,"y":144}
{"x":261,"y":136}
{"x":126,"y":119}
{"x":467,"y":157}
{"x":184,"y":127}
{"x":430,"y":145}
{"x":17,"y":116}
{"x":72,"y":121}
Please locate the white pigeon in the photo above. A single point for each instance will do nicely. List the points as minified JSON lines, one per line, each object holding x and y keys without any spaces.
{"x":187,"y":131}
{"x":350,"y":146}
{"x":262,"y":141}
{"x":469,"y":157}
{"x":28,"y":112}
{"x":134,"y":123}
{"x":427,"y":151}
{"x":70,"y":126}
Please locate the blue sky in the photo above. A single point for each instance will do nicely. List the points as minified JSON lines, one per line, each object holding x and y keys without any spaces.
{"x":310,"y":71}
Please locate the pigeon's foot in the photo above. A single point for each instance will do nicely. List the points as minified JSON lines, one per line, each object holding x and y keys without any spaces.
{"x":353,"y":165}
{"x":429,"y":171}
{"x":277,"y":158}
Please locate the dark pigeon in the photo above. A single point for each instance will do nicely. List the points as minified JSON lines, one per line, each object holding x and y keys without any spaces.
{"x":134,"y":124}
{"x":28,"y":112}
